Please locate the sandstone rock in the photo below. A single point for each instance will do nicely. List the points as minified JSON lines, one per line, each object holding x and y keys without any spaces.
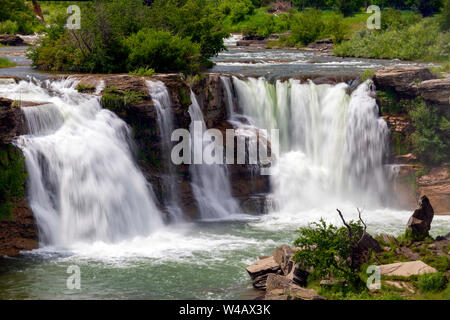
{"x":436,"y":91}
{"x":11,"y":40}
{"x":19,"y":232}
{"x":404,"y":80}
{"x":12,"y":122}
{"x":278,"y":285}
{"x":436,"y":185}
{"x":406,"y":269}
{"x":283,"y":256}
{"x":420,"y":221}
{"x":401,"y":285}
{"x":260,"y":270}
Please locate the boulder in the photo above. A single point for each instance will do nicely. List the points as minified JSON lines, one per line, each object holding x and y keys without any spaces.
{"x":260,"y":270}
{"x":279,"y":286}
{"x":283,"y":255}
{"x":436,"y":185}
{"x":402,"y":285}
{"x":11,"y":40}
{"x":436,"y":91}
{"x":404,"y":80}
{"x":406,"y":269}
{"x":420,"y":222}
{"x":12,"y":121}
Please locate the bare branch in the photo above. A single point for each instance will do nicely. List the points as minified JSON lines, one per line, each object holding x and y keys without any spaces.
{"x":345,"y":223}
{"x":360,"y":219}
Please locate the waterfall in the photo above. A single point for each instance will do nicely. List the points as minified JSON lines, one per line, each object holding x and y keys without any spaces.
{"x":229,"y":96}
{"x":83,"y":183}
{"x":210,"y":183}
{"x":160,"y":95}
{"x":331,"y":144}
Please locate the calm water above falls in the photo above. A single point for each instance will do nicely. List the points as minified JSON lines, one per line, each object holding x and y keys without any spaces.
{"x":196,"y":260}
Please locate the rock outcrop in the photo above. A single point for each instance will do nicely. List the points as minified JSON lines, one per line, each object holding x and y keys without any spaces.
{"x":403,"y":80}
{"x":406,"y":269}
{"x":19,"y":232}
{"x":420,"y":222}
{"x":281,"y":288}
{"x":12,"y":122}
{"x":11,"y":40}
{"x":437,"y":91}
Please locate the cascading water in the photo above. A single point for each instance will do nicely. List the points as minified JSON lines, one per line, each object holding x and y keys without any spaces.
{"x":160,"y":95}
{"x":210,"y":183}
{"x":331,"y":145}
{"x":226,"y":81}
{"x":83,"y":183}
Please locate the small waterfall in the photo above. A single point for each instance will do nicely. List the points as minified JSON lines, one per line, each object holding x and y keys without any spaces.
{"x":229,"y":96}
{"x":331,"y":144}
{"x":160,"y":95}
{"x":83,"y":183}
{"x":210,"y":183}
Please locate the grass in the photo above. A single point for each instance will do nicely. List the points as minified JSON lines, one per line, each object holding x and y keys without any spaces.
{"x":5,"y":63}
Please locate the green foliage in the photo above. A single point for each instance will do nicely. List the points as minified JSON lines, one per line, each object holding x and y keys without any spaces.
{"x":337,"y":28}
{"x":183,"y":37}
{"x":18,"y":12}
{"x":418,"y":41}
{"x":326,"y":249}
{"x":432,"y":282}
{"x":307,"y":26}
{"x":5,"y":63}
{"x":143,"y":72}
{"x":162,"y":51}
{"x":236,"y":10}
{"x":428,"y":141}
{"x":367,"y":74}
{"x":84,"y":87}
{"x":396,"y":19}
{"x":12,"y":178}
{"x":9,"y":27}
{"x":117,"y":100}
{"x":445,"y":16}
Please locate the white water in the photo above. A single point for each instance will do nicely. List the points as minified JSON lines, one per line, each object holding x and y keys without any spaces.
{"x":160,"y":95}
{"x":83,"y":183}
{"x":210,"y":182}
{"x":332,"y":145}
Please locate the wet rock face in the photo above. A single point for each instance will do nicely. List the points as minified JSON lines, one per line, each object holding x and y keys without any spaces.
{"x":437,"y":91}
{"x":420,"y":221}
{"x":18,"y":232}
{"x":12,"y":122}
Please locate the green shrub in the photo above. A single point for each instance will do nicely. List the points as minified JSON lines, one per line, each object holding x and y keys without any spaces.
{"x":20,"y":14}
{"x":9,"y":27}
{"x":117,"y":100}
{"x":337,"y":28}
{"x":445,"y":16}
{"x":432,"y":282}
{"x":237,"y":10}
{"x":12,"y":178}
{"x":367,"y":74}
{"x":143,"y":72}
{"x":162,"y":51}
{"x":307,"y":26}
{"x":326,"y":249}
{"x":428,"y":142}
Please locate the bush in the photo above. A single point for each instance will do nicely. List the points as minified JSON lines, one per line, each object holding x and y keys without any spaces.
{"x":143,"y":72}
{"x":162,"y":51}
{"x":337,"y":28}
{"x":428,"y":141}
{"x":326,"y":249}
{"x":307,"y":26}
{"x":432,"y":282}
{"x":237,"y":10}
{"x":20,"y":13}
{"x":445,"y":16}
{"x":9,"y":27}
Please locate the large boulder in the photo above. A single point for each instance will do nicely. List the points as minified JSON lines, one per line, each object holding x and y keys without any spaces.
{"x":11,"y":40}
{"x":281,"y":288}
{"x":12,"y":121}
{"x":436,"y":185}
{"x":404,"y":80}
{"x":420,"y":222}
{"x":406,"y":269}
{"x":436,"y":91}
{"x":260,"y":270}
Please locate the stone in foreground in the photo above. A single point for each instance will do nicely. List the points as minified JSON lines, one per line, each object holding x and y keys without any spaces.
{"x":406,"y":269}
{"x":281,"y":288}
